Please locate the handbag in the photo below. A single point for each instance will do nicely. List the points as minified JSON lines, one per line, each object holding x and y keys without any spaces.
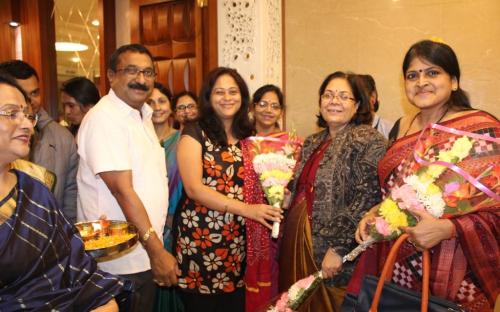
{"x":379,"y":293}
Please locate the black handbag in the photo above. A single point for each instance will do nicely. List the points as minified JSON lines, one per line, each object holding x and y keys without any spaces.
{"x":379,"y":293}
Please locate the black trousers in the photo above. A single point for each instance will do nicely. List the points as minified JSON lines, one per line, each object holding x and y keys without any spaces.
{"x":145,"y":291}
{"x":230,"y":302}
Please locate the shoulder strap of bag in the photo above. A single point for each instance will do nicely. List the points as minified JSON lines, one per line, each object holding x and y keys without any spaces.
{"x":386,"y":275}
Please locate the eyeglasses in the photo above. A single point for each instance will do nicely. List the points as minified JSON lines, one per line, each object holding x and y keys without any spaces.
{"x":265,"y":104}
{"x":186,"y":107}
{"x":18,"y":115}
{"x":222,"y":92}
{"x":342,"y":96}
{"x":133,"y":71}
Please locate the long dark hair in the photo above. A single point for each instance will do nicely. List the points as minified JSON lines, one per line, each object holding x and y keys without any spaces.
{"x":442,"y":55}
{"x":210,"y":123}
{"x":363,"y":114}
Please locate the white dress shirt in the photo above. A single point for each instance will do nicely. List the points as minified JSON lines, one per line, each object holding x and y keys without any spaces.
{"x":114,"y":137}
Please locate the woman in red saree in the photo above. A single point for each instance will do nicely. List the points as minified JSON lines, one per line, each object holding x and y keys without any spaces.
{"x":464,"y":247}
{"x":261,"y":274}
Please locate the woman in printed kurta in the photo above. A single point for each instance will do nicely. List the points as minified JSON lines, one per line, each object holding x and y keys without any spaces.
{"x":210,"y":238}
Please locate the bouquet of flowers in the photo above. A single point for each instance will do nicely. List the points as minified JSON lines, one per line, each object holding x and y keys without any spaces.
{"x":274,"y":161}
{"x":439,"y":184}
{"x":292,"y":299}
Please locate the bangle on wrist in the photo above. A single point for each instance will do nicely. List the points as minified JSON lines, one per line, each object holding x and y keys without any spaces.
{"x":147,"y":235}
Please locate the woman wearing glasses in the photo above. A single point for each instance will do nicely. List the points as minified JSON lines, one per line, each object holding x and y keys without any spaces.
{"x":210,"y":240}
{"x":185,"y":110}
{"x":335,"y":183}
{"x":41,"y":254}
{"x":261,"y":274}
{"x":267,"y":109}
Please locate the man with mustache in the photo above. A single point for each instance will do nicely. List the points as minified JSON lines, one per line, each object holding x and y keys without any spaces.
{"x":122,"y":172}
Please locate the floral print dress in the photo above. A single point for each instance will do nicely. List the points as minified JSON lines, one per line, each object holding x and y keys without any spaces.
{"x":210,"y":245}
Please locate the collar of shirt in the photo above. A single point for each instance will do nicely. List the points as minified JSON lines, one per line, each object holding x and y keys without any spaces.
{"x":146,"y":111}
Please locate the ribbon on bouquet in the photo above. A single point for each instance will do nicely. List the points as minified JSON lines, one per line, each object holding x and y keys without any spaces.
{"x":474,"y":181}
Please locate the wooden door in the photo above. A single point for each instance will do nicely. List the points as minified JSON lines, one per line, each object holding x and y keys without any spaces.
{"x":176,"y":32}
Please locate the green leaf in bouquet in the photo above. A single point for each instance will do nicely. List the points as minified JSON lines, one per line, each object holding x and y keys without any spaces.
{"x":448,"y":209}
{"x":412,"y":221}
{"x":463,"y":205}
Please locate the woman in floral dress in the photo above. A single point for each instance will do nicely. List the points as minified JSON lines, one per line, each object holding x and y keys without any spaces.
{"x":210,"y":238}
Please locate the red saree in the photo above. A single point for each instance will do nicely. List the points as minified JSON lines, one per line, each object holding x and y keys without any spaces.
{"x":465,"y":269}
{"x":261,"y":274}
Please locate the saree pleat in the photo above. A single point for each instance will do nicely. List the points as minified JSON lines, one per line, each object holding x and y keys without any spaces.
{"x":297,"y":254}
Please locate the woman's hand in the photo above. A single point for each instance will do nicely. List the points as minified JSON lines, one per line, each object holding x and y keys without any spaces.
{"x":332,"y":264}
{"x":110,"y":306}
{"x":429,"y":231}
{"x":264,"y":214}
{"x":361,"y":234}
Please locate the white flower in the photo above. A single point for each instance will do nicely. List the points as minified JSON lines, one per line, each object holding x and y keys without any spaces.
{"x":210,"y":182}
{"x":293,"y":292}
{"x":434,"y":204}
{"x":220,"y":280}
{"x":190,"y":218}
{"x":416,"y":184}
{"x":187,"y":247}
{"x":212,"y":261}
{"x":214,"y":219}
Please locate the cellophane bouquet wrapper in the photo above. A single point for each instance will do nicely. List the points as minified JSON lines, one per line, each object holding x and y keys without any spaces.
{"x":274,"y":161}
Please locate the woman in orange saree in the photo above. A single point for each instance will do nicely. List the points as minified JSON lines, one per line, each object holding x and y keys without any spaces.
{"x":465,"y":257}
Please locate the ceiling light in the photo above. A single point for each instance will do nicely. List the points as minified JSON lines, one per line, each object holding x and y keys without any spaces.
{"x":13,"y":24}
{"x":95,"y":22}
{"x":75,"y":59}
{"x":71,"y":46}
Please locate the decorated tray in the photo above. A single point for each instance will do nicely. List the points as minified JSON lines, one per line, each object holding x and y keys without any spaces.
{"x":107,"y":238}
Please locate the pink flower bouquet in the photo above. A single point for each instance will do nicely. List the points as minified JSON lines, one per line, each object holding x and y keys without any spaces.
{"x":292,"y":299}
{"x":440,"y":182}
{"x":274,"y":161}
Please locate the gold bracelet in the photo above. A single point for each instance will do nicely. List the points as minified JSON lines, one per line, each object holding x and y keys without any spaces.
{"x":147,"y":235}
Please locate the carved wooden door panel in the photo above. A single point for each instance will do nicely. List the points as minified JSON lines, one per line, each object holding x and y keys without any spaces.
{"x":171,"y":30}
